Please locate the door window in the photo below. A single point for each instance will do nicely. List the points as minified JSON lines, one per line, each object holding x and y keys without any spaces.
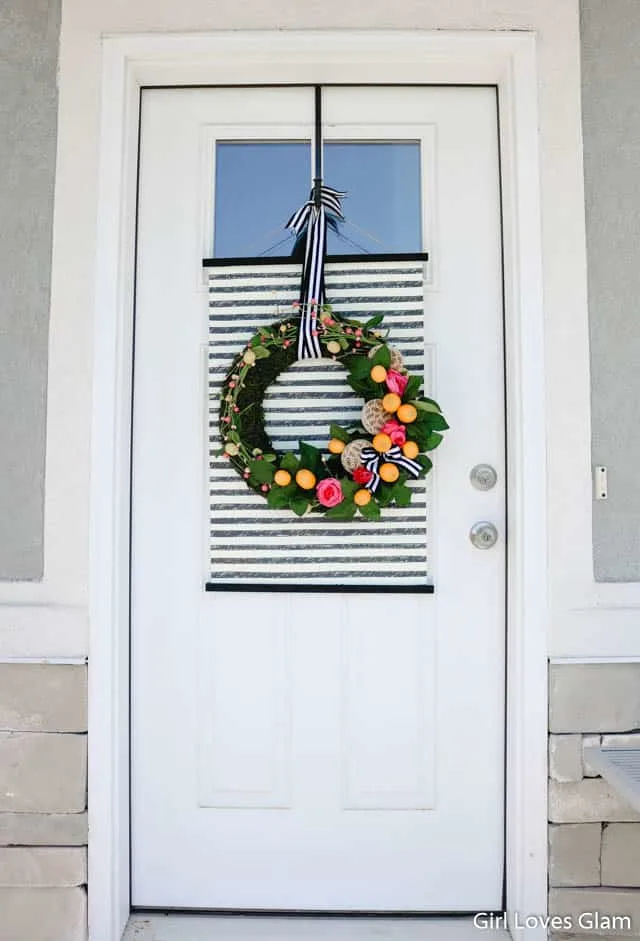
{"x":255,"y":182}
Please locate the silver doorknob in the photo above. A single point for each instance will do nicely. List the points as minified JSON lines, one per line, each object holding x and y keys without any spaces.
{"x":483,"y":477}
{"x":483,"y":535}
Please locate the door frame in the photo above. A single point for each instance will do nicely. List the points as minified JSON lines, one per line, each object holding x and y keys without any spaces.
{"x":133,"y":62}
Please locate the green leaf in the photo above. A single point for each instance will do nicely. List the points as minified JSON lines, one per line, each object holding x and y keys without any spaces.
{"x":289,"y":462}
{"x":358,"y":385}
{"x":360,"y":367}
{"x":425,"y":398}
{"x":261,"y":352}
{"x":310,"y":457}
{"x":426,"y":405}
{"x":262,"y":471}
{"x":402,"y":495}
{"x":299,"y":505}
{"x":337,"y":431}
{"x":374,"y":321}
{"x":384,"y":495}
{"x":412,"y":387}
{"x":437,"y":422}
{"x":382,"y":357}
{"x":348,"y":487}
{"x":432,"y":441}
{"x":370,"y":511}
{"x":425,"y":463}
{"x":278,"y":497}
{"x":269,"y":457}
{"x":343,"y":511}
{"x":333,"y":465}
{"x":419,"y":435}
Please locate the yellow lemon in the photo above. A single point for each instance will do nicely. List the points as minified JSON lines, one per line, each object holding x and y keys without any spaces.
{"x":361,"y":497}
{"x":306,"y":479}
{"x":378,"y":373}
{"x":336,"y":446}
{"x":382,"y":442}
{"x":391,"y":402}
{"x":407,"y":413}
{"x":410,"y":449}
{"x":389,"y":473}
{"x":282,"y":478}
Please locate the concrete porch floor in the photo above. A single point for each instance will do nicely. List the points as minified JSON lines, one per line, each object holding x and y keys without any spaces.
{"x":294,"y":928}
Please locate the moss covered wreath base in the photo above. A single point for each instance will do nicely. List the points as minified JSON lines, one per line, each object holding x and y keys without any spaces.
{"x":367,"y":466}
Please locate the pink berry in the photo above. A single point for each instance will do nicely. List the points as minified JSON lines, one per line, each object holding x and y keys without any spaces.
{"x":236,"y":408}
{"x":264,"y":488}
{"x":226,"y":419}
{"x":314,"y":333}
{"x":358,"y":332}
{"x":232,"y":385}
{"x":348,"y":330}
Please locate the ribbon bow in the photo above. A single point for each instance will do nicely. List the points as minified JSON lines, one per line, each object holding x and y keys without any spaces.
{"x":313,"y":215}
{"x":372,"y":460}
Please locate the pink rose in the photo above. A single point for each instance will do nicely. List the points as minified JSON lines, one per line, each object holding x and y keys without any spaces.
{"x":396,"y":431}
{"x":396,"y":382}
{"x":329,"y":492}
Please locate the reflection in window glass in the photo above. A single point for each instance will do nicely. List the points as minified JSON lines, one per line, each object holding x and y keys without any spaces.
{"x":383,"y":206}
{"x":259,"y":185}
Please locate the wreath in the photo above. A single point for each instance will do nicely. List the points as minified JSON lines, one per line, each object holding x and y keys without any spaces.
{"x":366,"y":466}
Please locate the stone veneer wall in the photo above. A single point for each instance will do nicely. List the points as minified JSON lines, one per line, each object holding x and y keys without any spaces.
{"x":594,"y":835}
{"x":43,"y":800}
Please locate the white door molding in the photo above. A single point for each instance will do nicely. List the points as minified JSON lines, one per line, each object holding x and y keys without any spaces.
{"x":504,"y":59}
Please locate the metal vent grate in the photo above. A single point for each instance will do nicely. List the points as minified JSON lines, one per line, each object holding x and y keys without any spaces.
{"x":620,"y":766}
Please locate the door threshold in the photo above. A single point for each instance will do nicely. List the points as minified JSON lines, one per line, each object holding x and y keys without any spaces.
{"x":240,"y":927}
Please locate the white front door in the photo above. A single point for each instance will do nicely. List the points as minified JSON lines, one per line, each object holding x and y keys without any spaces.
{"x":325,"y":751}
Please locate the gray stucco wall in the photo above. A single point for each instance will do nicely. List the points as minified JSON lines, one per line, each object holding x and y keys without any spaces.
{"x":29,"y":32}
{"x":611,"y":119}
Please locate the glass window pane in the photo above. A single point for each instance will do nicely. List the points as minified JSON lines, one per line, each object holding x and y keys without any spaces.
{"x":257,"y":187}
{"x":383,"y":206}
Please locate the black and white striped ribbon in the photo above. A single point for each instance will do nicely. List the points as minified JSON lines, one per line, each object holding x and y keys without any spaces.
{"x":372,"y":460}
{"x":314,"y":218}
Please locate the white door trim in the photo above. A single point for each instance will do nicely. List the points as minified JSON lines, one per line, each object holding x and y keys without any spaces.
{"x":504,"y":59}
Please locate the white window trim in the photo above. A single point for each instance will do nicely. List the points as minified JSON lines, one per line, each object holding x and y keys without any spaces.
{"x":506,"y":59}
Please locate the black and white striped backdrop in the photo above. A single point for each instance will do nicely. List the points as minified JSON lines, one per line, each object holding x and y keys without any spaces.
{"x":252,"y":544}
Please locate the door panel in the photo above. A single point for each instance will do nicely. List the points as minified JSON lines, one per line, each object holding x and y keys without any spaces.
{"x":317,"y":751}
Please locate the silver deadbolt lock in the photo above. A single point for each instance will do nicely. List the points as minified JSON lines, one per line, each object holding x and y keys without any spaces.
{"x":483,"y":477}
{"x":483,"y":535}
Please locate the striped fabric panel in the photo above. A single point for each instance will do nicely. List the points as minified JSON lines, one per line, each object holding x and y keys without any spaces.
{"x":252,"y":544}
